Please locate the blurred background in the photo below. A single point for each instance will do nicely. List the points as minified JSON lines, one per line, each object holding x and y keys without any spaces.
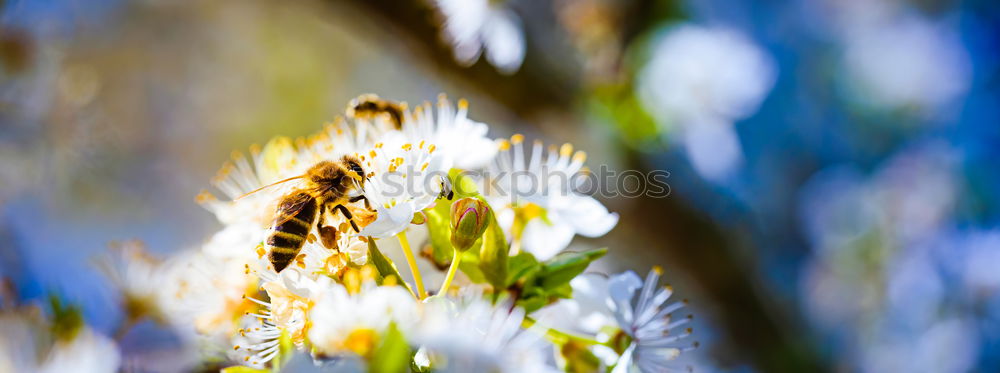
{"x":835,"y":193}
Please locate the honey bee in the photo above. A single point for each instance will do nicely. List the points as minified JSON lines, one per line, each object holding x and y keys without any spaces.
{"x":326,"y":188}
{"x":370,"y":106}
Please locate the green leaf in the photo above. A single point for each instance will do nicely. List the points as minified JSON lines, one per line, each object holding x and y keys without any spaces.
{"x":392,"y":354}
{"x":439,"y":227}
{"x":470,"y":266}
{"x":242,"y":369}
{"x":521,"y":268}
{"x":384,"y":266}
{"x":493,"y":255}
{"x":532,"y":302}
{"x":565,"y":266}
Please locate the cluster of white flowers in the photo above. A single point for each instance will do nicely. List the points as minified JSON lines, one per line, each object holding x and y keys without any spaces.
{"x":343,"y":301}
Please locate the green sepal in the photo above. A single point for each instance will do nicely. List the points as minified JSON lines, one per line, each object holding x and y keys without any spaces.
{"x":392,"y":355}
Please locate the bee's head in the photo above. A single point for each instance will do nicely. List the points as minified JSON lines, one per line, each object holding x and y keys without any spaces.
{"x":354,"y":169}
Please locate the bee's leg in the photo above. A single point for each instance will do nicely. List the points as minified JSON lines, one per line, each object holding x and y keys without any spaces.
{"x":361,"y":198}
{"x":327,"y":234}
{"x":348,"y":215}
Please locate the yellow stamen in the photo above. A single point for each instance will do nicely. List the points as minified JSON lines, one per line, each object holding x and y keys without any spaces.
{"x":566,"y":150}
{"x":517,"y":139}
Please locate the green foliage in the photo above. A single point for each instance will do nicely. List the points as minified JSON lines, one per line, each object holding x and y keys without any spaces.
{"x":392,"y":354}
{"x":493,"y":255}
{"x":565,"y":266}
{"x":441,"y":250}
{"x":522,"y":266}
{"x":536,"y":284}
{"x":470,"y":266}
{"x":385,"y":267}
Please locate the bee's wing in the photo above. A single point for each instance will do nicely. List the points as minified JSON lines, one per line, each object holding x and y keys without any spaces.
{"x":290,"y":205}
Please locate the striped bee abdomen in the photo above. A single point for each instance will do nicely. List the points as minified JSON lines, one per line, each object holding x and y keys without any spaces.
{"x":295,"y":217}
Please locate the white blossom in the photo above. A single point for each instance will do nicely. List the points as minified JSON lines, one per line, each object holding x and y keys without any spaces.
{"x":535,"y":200}
{"x":472,"y":26}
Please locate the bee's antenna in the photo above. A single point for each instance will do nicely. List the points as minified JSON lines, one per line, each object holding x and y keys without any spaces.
{"x":268,"y":186}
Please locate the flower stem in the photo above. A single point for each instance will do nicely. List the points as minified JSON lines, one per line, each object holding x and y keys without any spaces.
{"x":451,"y":272}
{"x":557,"y":336}
{"x":405,"y":243}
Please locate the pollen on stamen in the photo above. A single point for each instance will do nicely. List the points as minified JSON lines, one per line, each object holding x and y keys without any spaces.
{"x":378,"y":145}
{"x":424,"y":167}
{"x":566,"y":150}
{"x":421,"y":146}
{"x":580,"y":156}
{"x":224,"y":171}
{"x":255,"y":149}
{"x":236,"y":155}
{"x":463,"y":104}
{"x":517,"y":139}
{"x":658,"y":270}
{"x":203,"y":197}
{"x":431,"y":148}
{"x":407,"y":146}
{"x":504,"y":145}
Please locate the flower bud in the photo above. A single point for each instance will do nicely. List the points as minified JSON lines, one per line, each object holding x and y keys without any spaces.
{"x":469,"y":219}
